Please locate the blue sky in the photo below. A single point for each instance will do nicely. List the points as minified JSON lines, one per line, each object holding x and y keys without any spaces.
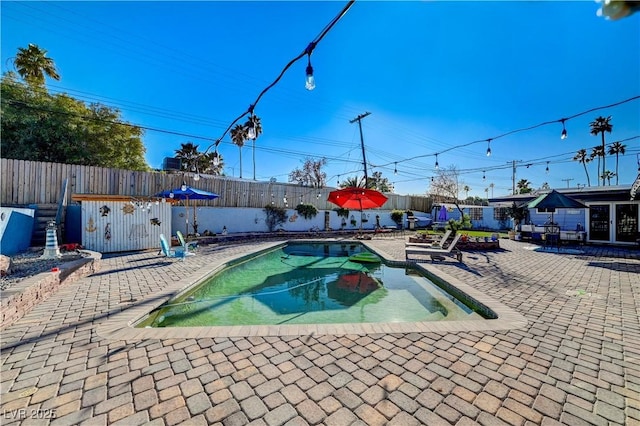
{"x":434,"y":76}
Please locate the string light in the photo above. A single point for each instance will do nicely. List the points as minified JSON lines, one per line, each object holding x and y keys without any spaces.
{"x":547,"y":169}
{"x":563,"y":135}
{"x":183,"y":187}
{"x":488,"y":147}
{"x":310,"y":81}
{"x":437,"y":165}
{"x":484,"y":176}
{"x":395,"y":168}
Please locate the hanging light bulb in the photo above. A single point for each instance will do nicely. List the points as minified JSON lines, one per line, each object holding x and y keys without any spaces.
{"x":483,"y":175}
{"x":171,"y":195}
{"x":310,"y":82}
{"x":395,"y":168}
{"x":437,"y":165}
{"x":488,"y":147}
{"x":251,"y":128}
{"x":563,"y":135}
{"x":216,"y":159}
{"x":547,"y":169}
{"x":183,"y":187}
{"x":196,"y":177}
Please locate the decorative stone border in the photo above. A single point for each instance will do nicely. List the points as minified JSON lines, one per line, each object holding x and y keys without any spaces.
{"x":23,"y":296}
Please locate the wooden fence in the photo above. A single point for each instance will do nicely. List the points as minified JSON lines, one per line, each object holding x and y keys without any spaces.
{"x":33,"y":182}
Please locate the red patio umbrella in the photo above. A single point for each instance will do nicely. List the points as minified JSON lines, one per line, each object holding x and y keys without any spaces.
{"x":357,"y":198}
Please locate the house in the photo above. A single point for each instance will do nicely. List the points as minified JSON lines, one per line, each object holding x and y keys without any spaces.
{"x":611,"y":216}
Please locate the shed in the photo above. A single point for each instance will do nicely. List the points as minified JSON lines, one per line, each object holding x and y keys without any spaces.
{"x":122,"y":223}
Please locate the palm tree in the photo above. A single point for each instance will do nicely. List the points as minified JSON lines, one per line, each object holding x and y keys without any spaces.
{"x":466,"y":190}
{"x":597,"y":152}
{"x":215,"y":163}
{"x":601,"y":125}
{"x":253,"y":122}
{"x":523,"y":186}
{"x":352,"y":182}
{"x":608,"y":174}
{"x":238,"y":136}
{"x":32,"y":64}
{"x":491,"y":185}
{"x":615,"y":149}
{"x":188,"y":154}
{"x":581,"y":157}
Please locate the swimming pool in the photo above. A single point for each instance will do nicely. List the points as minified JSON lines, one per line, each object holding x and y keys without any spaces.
{"x":310,"y":283}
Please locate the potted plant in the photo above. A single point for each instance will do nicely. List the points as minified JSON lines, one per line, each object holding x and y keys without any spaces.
{"x":518,"y":214}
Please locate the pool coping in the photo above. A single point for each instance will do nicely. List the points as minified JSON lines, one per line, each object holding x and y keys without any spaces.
{"x":120,"y":325}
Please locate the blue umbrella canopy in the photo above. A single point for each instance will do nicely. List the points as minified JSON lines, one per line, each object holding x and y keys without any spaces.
{"x":188,"y":194}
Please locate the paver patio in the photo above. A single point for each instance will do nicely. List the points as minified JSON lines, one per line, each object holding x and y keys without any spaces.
{"x":577,"y":360}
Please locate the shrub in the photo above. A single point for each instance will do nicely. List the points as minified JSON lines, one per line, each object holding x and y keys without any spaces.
{"x":397,"y":215}
{"x":307,"y":211}
{"x":342,"y":212}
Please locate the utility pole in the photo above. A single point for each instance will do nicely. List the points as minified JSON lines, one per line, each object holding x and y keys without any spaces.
{"x":364,"y":158}
{"x":567,"y":180}
{"x":513,"y":176}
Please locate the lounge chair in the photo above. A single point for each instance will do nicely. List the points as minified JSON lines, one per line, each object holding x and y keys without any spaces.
{"x":188,"y":247}
{"x":436,"y":253}
{"x":166,"y":250}
{"x":429,"y":243}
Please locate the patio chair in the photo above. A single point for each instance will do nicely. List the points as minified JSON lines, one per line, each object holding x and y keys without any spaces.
{"x":166,"y":250}
{"x":188,"y":247}
{"x":436,"y":253}
{"x":431,"y":243}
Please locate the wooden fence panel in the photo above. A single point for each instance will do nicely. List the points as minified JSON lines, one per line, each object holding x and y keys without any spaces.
{"x":33,"y":182}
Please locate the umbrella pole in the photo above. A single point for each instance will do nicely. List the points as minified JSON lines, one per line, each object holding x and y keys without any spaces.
{"x":186,"y":217}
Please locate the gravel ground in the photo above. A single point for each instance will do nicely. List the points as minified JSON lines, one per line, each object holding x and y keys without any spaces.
{"x":27,"y":264}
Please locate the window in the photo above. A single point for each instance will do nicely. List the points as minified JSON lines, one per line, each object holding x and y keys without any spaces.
{"x":500,"y":213}
{"x":475,"y":213}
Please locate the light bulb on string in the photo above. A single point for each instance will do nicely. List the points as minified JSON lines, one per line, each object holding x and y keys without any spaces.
{"x":310,"y":81}
{"x":484,"y":176}
{"x":395,"y":168}
{"x":547,"y":169}
{"x":488,"y":147}
{"x":437,"y":165}
{"x":251,"y":129}
{"x":563,"y":135}
{"x":216,"y":160}
{"x":183,"y":187}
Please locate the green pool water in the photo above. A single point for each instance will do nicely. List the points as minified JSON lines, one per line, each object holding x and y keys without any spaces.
{"x":310,"y":284}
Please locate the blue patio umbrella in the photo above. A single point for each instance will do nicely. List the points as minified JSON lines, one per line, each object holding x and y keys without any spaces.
{"x":186,"y":194}
{"x":442,"y":216}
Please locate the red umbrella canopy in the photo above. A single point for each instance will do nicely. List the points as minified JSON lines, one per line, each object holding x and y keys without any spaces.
{"x":357,"y":198}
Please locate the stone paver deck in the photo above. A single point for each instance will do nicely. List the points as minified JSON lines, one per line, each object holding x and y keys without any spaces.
{"x":576,"y":360}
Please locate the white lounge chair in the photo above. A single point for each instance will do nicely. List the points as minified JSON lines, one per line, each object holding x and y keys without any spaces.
{"x":430,"y":244}
{"x":435,"y":253}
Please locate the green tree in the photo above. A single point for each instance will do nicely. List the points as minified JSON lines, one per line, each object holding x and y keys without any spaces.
{"x":466,"y":190}
{"x":601,"y":125}
{"x":37,"y":126}
{"x":214,"y":164}
{"x":524,"y":186}
{"x":238,"y":136}
{"x":379,"y":183}
{"x":582,"y":158}
{"x":310,"y":174}
{"x":33,"y":64}
{"x":616,"y":149}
